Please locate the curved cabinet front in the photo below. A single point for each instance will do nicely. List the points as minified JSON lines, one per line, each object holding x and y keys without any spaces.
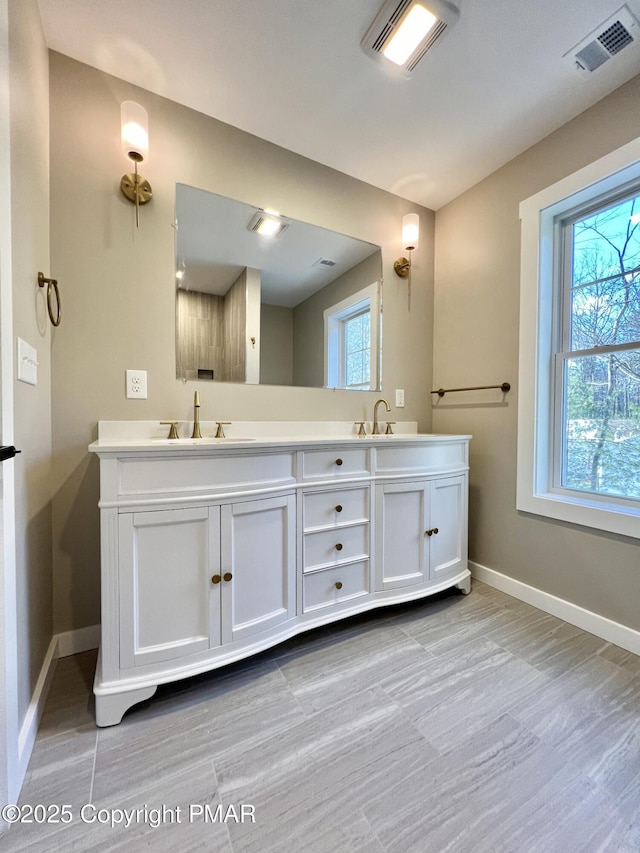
{"x":215,"y":555}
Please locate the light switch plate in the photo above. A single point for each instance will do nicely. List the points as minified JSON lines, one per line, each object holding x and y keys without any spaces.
{"x":399,"y":398}
{"x":27,"y":363}
{"x":136,"y":384}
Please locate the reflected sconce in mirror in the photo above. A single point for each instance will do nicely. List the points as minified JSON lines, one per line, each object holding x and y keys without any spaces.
{"x":135,"y":145}
{"x":410,"y":237}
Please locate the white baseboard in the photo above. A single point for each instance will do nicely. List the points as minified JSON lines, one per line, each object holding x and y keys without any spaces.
{"x":61,"y":645}
{"x":29,"y":727}
{"x":606,"y":629}
{"x":80,"y":640}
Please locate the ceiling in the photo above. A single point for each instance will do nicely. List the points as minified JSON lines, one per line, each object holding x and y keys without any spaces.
{"x":293,"y":72}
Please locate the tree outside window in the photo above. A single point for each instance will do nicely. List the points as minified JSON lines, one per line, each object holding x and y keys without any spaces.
{"x":599,"y":358}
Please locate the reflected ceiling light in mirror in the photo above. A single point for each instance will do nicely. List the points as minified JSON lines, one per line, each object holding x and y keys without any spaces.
{"x":404,"y":30}
{"x":268,"y":223}
{"x":410,"y":238}
{"x":134,"y":137}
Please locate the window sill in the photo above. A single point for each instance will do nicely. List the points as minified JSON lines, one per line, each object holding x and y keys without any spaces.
{"x":586,"y":512}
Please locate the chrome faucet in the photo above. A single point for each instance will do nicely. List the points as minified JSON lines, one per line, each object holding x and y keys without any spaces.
{"x":376,"y":429}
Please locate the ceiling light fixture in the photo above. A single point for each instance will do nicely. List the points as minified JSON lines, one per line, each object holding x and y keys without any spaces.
{"x":268,"y":223}
{"x":404,"y":30}
{"x":134,"y":135}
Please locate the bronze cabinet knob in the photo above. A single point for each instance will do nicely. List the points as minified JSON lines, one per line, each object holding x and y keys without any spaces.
{"x":216,"y":579}
{"x":435,"y":531}
{"x":339,"y":546}
{"x":338,"y":461}
{"x":339,"y":508}
{"x":227,"y":576}
{"x":338,"y":584}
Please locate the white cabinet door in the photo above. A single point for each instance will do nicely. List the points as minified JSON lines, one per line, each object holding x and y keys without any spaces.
{"x":258,"y":566}
{"x":168,"y":606}
{"x":401,"y":543}
{"x":448,"y":515}
{"x":420,"y":531}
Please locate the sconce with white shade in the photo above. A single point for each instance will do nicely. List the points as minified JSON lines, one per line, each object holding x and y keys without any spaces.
{"x":410,"y":238}
{"x":135,"y":145}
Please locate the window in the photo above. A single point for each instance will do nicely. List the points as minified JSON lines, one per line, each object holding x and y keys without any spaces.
{"x":579,"y":377}
{"x":597,"y":377}
{"x":351,"y":342}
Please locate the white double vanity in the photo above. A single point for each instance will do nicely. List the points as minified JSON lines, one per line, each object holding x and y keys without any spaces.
{"x":215,"y":549}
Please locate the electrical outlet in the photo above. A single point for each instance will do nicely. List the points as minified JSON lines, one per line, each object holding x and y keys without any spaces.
{"x":399,"y":398}
{"x":136,"y":384}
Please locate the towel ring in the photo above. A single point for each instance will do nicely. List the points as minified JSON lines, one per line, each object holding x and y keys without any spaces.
{"x":51,"y":283}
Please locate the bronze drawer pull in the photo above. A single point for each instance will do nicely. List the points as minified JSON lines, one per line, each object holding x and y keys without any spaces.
{"x":216,"y":579}
{"x":339,"y":508}
{"x":338,"y":461}
{"x":338,"y":584}
{"x":227,"y":576}
{"x":339,"y":546}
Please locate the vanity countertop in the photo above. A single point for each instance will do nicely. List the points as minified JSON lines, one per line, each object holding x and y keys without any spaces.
{"x":150,"y":436}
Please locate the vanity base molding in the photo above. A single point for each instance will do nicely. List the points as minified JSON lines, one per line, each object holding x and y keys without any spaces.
{"x":214,"y":555}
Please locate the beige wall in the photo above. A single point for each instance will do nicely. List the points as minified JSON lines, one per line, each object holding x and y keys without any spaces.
{"x":29,"y":252}
{"x":477,"y":273}
{"x":276,"y":349}
{"x":118,"y":290}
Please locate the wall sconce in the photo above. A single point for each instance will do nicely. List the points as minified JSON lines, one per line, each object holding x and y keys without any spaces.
{"x":410,"y":237}
{"x":135,"y":145}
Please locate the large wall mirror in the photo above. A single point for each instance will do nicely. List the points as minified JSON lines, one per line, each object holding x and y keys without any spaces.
{"x":300,"y":307}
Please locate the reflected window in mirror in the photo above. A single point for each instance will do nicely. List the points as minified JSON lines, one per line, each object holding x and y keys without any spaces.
{"x":351,"y":345}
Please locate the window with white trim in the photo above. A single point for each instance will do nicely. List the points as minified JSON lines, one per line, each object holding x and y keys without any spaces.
{"x":579,"y":375}
{"x":351,"y":341}
{"x":597,"y":359}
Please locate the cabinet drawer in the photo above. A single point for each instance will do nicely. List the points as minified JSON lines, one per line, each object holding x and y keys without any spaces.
{"x":182,"y":474}
{"x":336,"y":462}
{"x":335,"y":507}
{"x":329,"y":547}
{"x":427,"y":458}
{"x":331,"y":586}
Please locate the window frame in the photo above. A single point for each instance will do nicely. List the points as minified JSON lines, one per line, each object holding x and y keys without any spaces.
{"x":537,"y":492}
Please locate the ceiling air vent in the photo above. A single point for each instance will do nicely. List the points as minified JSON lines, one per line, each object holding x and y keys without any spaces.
{"x":437,"y":17}
{"x":609,"y":39}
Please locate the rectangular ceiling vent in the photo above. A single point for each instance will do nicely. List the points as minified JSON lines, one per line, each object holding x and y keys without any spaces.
{"x":608,"y":40}
{"x":436,"y":16}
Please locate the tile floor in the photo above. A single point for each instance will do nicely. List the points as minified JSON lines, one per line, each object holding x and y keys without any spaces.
{"x":459,"y":724}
